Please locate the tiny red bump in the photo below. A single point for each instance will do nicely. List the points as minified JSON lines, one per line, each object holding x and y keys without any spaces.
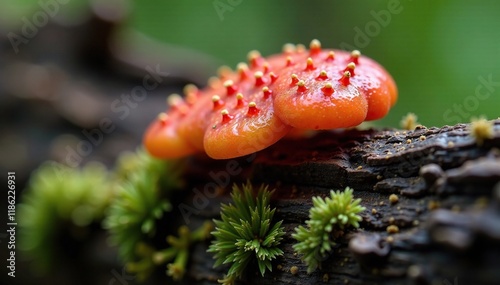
{"x":310,"y":64}
{"x":327,"y":89}
{"x":259,"y":79}
{"x":191,"y":94}
{"x":355,"y":54}
{"x":314,"y":47}
{"x":266,"y":92}
{"x":163,"y":118}
{"x":301,"y":48}
{"x":345,"y":78}
{"x":288,"y":48}
{"x":225,"y":116}
{"x":301,"y":86}
{"x":214,"y":82}
{"x":174,"y":101}
{"x":224,"y":72}
{"x":218,"y":103}
{"x":295,"y":79}
{"x":289,"y":61}
{"x":350,"y":67}
{"x":230,"y":87}
{"x":265,"y":67}
{"x":190,"y":88}
{"x":252,"y":109}
{"x":239,"y":101}
{"x":242,"y":71}
{"x":322,"y":75}
{"x":331,"y":56}
{"x":273,"y":77}
{"x":254,"y":58}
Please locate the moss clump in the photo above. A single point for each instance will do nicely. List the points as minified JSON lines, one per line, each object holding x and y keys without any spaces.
{"x":143,"y":190}
{"x":327,"y":220}
{"x":246,"y":233}
{"x":61,"y":202}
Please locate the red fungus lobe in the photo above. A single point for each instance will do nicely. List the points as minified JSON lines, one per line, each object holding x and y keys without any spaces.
{"x":299,"y":90}
{"x":162,"y":139}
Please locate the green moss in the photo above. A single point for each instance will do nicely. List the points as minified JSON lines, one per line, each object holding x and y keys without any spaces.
{"x":246,"y":233}
{"x":143,"y":190}
{"x":60,"y":200}
{"x":327,"y":218}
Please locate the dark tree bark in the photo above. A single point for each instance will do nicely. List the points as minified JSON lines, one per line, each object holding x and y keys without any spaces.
{"x":447,"y":217}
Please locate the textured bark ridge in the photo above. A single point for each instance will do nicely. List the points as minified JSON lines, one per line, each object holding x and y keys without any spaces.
{"x":444,"y":227}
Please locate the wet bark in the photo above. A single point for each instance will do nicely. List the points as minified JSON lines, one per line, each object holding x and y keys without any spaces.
{"x":445,"y":226}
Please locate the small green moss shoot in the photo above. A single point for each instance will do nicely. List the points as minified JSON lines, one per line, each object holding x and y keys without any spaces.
{"x":327,"y":219}
{"x":246,"y":233}
{"x":176,"y":255}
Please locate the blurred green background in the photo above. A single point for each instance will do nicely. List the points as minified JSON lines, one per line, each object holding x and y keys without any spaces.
{"x":444,"y":55}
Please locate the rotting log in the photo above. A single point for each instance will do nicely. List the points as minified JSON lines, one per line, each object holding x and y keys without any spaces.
{"x":447,"y":216}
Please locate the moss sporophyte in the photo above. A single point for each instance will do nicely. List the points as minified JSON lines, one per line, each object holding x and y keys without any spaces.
{"x":246,"y":233}
{"x":327,"y":219}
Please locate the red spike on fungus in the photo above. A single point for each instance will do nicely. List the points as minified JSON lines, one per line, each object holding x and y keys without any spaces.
{"x":288,"y":48}
{"x":295,"y":79}
{"x":254,"y":59}
{"x":163,"y":118}
{"x":239,"y":101}
{"x":217,"y":102}
{"x":327,"y":89}
{"x":265,"y":67}
{"x":242,"y":71}
{"x":259,"y":79}
{"x":214,"y":82}
{"x":191,"y":94}
{"x":289,"y":61}
{"x":314,"y":47}
{"x":225,"y":116}
{"x":252,"y":109}
{"x":309,"y":64}
{"x":350,"y":67}
{"x":345,"y":78}
{"x":322,"y":75}
{"x":174,"y":101}
{"x":301,"y":86}
{"x":266,"y":92}
{"x":224,"y":72}
{"x":230,"y":87}
{"x":355,"y":54}
{"x":273,"y":77}
{"x":301,"y":48}
{"x":331,"y":56}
